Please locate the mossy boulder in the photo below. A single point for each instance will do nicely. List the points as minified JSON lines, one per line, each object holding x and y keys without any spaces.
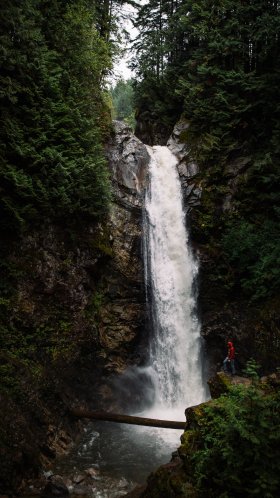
{"x":219,"y":384}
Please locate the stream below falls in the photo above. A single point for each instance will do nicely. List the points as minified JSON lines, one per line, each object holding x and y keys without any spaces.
{"x":124,"y":456}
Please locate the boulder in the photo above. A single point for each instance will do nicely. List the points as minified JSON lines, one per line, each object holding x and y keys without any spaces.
{"x":55,"y":488}
{"x":221,"y":382}
{"x":93,"y":472}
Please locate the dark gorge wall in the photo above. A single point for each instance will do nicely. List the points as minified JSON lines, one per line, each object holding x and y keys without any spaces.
{"x":122,"y":314}
{"x":74,"y":315}
{"x":72,"y":319}
{"x":226,"y":310}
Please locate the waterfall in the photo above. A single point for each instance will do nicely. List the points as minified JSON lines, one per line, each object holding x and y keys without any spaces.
{"x":171,"y":269}
{"x":173,"y":378}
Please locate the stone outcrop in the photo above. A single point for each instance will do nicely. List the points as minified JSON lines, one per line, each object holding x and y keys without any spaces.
{"x":187,"y":168}
{"x":123,"y":311}
{"x":128,"y":160}
{"x":78,"y":308}
{"x":150,"y":130}
{"x":86,"y":483}
{"x":235,"y":171}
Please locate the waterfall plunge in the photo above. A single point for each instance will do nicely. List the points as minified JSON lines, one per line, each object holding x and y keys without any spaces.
{"x":174,"y":374}
{"x":175,"y":350}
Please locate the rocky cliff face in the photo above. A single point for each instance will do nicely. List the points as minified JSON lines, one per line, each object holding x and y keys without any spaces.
{"x":73,"y":318}
{"x":225,"y":312}
{"x":187,"y":168}
{"x":123,"y":312}
{"x":150,"y":130}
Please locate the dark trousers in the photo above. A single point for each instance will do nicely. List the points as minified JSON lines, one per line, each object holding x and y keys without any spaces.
{"x":226,"y":363}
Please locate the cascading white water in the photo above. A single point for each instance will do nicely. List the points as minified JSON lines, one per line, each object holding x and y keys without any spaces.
{"x":175,"y":351}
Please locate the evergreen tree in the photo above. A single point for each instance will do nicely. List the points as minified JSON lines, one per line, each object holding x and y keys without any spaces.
{"x":122,"y":95}
{"x":221,"y":61}
{"x":158,"y":53}
{"x":53,"y":117}
{"x":220,"y":70}
{"x":231,"y":72}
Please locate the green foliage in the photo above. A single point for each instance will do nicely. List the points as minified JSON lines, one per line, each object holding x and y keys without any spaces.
{"x":123,"y":106}
{"x":9,"y":381}
{"x":222,"y":63}
{"x":53,"y":115}
{"x":94,"y":306}
{"x":25,"y":351}
{"x":236,"y":441}
{"x":158,"y":64}
{"x":254,"y":250}
{"x":251,"y":369}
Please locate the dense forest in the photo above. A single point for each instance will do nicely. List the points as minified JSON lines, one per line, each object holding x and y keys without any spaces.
{"x":216,"y":67}
{"x":53,"y":112}
{"x":123,"y":101}
{"x":54,"y":121}
{"x":55,"y":118}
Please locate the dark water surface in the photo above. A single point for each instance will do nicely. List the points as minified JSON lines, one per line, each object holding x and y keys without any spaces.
{"x":125,"y":455}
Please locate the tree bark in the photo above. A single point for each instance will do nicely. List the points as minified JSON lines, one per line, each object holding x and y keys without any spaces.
{"x":127,"y":419}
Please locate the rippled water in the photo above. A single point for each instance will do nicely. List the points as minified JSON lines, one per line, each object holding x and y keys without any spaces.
{"x":125,"y":455}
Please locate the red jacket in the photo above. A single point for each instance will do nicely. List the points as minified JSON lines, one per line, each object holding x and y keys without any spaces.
{"x":231,"y":351}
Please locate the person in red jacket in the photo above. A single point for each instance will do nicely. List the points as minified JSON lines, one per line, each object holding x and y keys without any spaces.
{"x":229,"y":360}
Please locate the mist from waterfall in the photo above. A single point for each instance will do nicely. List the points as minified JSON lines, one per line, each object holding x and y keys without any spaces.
{"x":175,"y":359}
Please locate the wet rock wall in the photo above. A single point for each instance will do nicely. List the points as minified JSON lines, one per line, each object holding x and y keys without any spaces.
{"x":74,"y":319}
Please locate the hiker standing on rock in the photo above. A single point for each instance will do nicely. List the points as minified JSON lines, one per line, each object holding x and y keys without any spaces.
{"x":229,"y":360}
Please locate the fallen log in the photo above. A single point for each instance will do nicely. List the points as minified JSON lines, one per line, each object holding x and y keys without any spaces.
{"x":127,"y":419}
